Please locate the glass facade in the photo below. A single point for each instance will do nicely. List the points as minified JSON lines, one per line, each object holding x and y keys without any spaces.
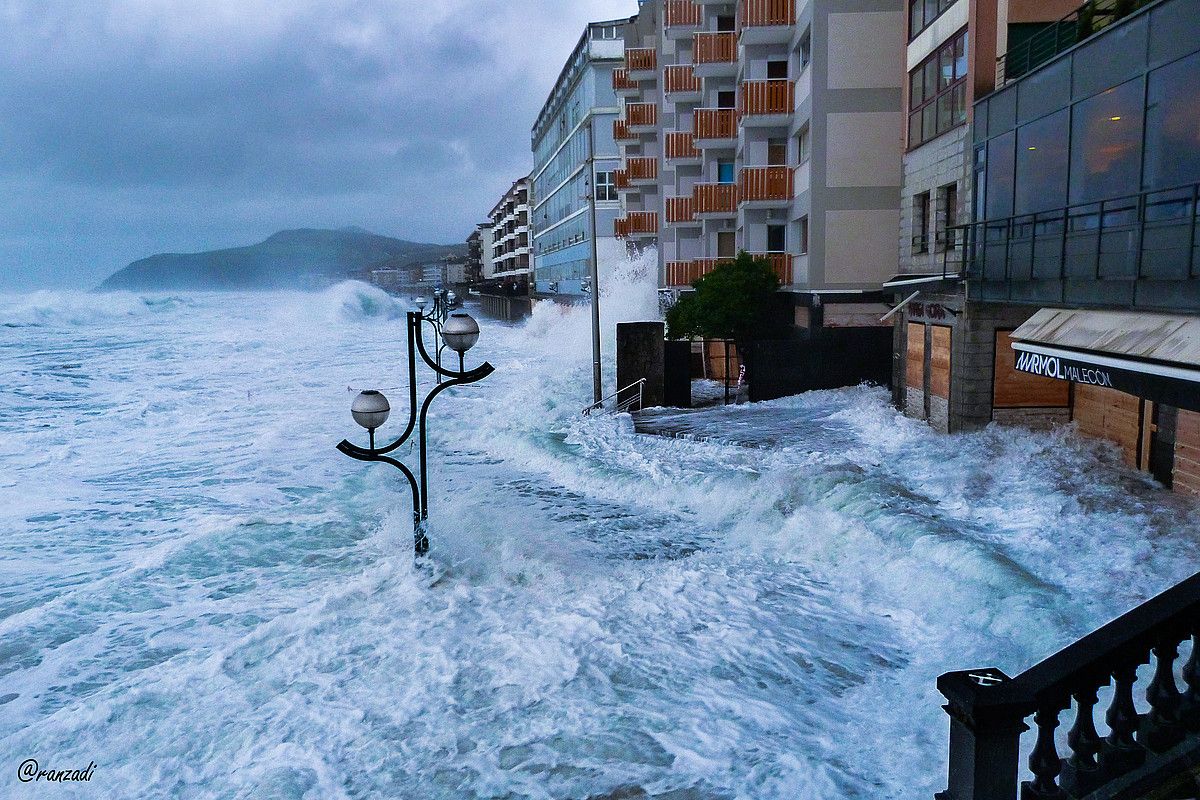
{"x":561,"y":178}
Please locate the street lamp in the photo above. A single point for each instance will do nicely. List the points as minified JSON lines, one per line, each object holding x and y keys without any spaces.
{"x":371,"y":408}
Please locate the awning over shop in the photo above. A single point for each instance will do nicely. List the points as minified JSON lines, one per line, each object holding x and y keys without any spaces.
{"x":1156,"y":356}
{"x":916,"y":279}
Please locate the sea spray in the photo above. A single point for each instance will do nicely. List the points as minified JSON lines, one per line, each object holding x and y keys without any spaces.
{"x":198,"y":593}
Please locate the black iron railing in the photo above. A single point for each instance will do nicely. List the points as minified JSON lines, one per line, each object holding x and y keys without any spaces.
{"x":1057,"y":37}
{"x":1140,"y":752}
{"x":1152,"y":235}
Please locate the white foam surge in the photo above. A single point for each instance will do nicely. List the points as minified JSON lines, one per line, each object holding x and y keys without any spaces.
{"x":198,"y":593}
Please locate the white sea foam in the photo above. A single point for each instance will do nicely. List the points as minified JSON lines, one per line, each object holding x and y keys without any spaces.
{"x":201,"y":595}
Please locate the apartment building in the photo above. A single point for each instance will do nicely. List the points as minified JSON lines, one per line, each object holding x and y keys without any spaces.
{"x":1083,"y":262}
{"x":573,"y":129}
{"x":950,"y":61}
{"x":510,"y":236}
{"x":479,"y":253}
{"x":769,"y":126}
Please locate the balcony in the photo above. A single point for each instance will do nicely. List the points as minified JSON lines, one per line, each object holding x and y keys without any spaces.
{"x":636,"y":224}
{"x":623,"y":85}
{"x":766,"y":102}
{"x":1139,"y":251}
{"x":766,"y":21}
{"x":641,"y":62}
{"x":681,"y":147}
{"x":715,"y":54}
{"x":681,"y":18}
{"x":621,"y":132}
{"x":781,"y":264}
{"x":715,"y":199}
{"x":680,"y":83}
{"x":681,"y":210}
{"x":685,"y":273}
{"x":641,"y":117}
{"x":642,"y":170}
{"x":1082,"y":23}
{"x":621,"y":181}
{"x":763,"y":186}
{"x":715,"y":127}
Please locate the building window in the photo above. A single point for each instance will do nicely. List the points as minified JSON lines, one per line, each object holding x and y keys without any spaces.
{"x":726,"y":244}
{"x":776,"y":239}
{"x":948,"y":197}
{"x":1041,"y":179}
{"x":802,"y":248}
{"x":920,"y":227}
{"x":922,"y":13}
{"x":726,"y":24}
{"x":724,"y":172}
{"x":805,"y":50}
{"x":777,"y":152}
{"x":1172,"y":135}
{"x":606,"y":189}
{"x":726,"y":99}
{"x":998,"y":199}
{"x":1106,"y":143}
{"x":937,"y":92}
{"x":803,"y":145}
{"x":777,"y":70}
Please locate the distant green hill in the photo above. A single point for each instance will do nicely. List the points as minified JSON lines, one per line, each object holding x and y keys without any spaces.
{"x":297,"y":259}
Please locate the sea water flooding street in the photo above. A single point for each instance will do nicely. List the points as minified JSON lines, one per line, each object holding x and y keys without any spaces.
{"x":200,"y":595}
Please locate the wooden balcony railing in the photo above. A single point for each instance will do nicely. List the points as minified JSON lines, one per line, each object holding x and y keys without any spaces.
{"x":682,"y":14}
{"x":639,"y":59}
{"x":621,"y":131}
{"x":781,"y":263}
{"x":767,"y":97}
{"x":621,"y":80}
{"x":715,"y":123}
{"x":715,"y":48}
{"x":681,"y":144}
{"x":685,"y":273}
{"x":636,"y":222}
{"x":715,"y":198}
{"x":621,"y":179}
{"x":680,"y":78}
{"x":761,"y":13}
{"x":679,"y":273}
{"x":766,"y":183}
{"x":681,"y":209}
{"x":641,"y":168}
{"x":641,"y":114}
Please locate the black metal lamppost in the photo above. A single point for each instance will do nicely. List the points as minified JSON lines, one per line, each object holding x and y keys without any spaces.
{"x":370,"y":409}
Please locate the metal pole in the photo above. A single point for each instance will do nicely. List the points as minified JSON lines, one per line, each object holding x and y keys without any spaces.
{"x":597,"y":383}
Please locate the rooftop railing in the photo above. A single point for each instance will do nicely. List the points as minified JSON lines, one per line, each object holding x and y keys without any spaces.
{"x":1057,"y":37}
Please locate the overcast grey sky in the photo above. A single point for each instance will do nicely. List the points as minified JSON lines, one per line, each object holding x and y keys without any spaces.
{"x":130,"y":127}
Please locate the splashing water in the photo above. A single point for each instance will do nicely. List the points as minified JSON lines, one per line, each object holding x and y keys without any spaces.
{"x":204,"y":598}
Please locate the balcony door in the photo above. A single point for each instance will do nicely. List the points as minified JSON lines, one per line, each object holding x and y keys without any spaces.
{"x":726,"y":244}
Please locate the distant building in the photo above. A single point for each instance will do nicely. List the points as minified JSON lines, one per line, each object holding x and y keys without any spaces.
{"x":479,"y":253}
{"x":390,"y":279}
{"x":510,"y":241}
{"x":455,"y":272}
{"x":582,"y":97}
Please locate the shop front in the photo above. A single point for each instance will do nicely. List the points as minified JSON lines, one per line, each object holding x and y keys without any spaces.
{"x":1132,"y":378}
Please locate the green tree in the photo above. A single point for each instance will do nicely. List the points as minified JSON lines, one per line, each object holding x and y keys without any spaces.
{"x":731,"y":302}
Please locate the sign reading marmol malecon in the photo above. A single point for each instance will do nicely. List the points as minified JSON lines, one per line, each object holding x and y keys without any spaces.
{"x":1055,"y":367}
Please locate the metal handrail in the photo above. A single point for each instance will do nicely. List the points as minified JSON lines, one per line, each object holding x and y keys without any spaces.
{"x":1126,"y":213}
{"x":1079,"y":25}
{"x":624,"y":405}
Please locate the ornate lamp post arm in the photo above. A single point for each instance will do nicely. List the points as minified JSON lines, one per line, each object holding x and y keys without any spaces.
{"x":371,"y":409}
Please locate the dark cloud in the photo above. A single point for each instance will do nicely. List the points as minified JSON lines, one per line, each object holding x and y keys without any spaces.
{"x":136,"y":126}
